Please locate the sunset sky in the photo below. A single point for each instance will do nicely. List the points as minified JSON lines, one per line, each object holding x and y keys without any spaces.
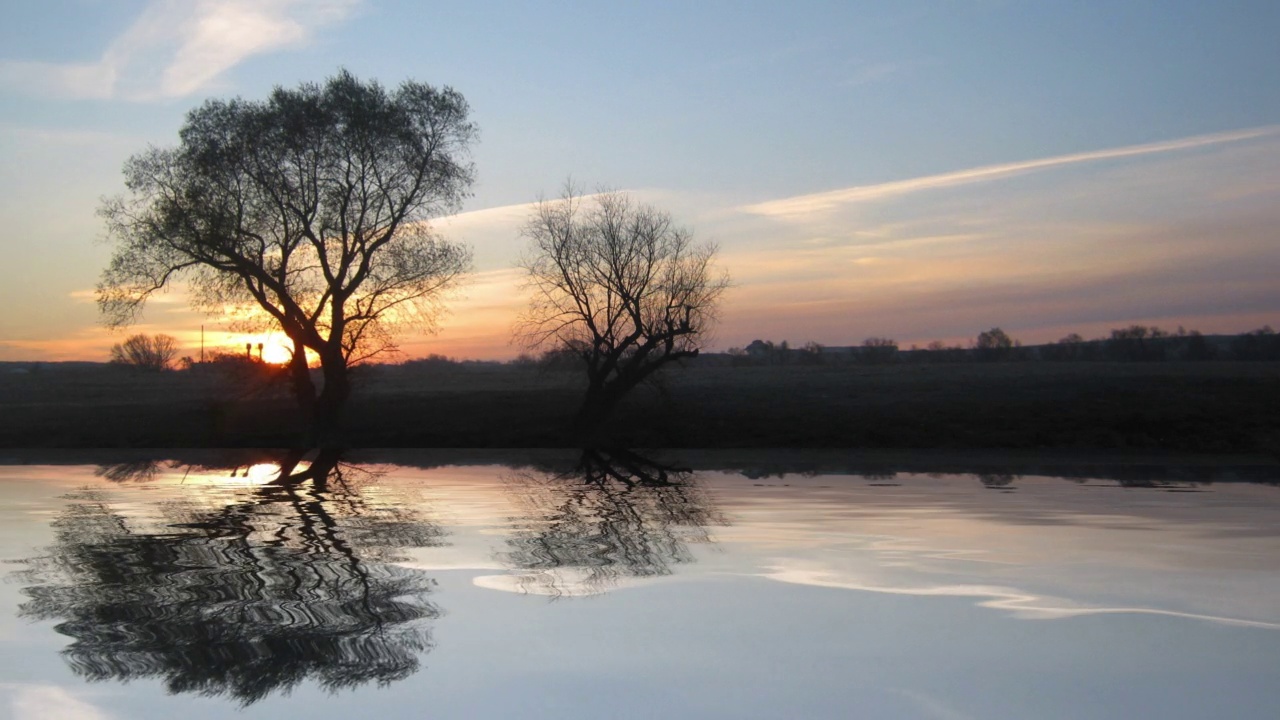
{"x":917,"y":169}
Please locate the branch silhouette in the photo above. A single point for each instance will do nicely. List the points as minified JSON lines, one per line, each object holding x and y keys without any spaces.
{"x":615,"y":514}
{"x":289,"y":584}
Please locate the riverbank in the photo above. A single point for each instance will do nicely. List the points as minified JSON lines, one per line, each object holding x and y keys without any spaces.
{"x":1172,"y":407}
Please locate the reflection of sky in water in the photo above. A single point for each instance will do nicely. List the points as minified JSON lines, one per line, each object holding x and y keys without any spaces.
{"x":1054,"y":549}
{"x":825,"y":596}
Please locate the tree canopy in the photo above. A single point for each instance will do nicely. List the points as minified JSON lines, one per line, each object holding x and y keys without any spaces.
{"x":619,"y":284}
{"x":614,"y":515}
{"x":296,"y":580}
{"x":145,"y":352}
{"x":308,"y":210}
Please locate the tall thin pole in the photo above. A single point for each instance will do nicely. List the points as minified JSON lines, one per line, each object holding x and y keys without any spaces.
{"x":202,"y":344}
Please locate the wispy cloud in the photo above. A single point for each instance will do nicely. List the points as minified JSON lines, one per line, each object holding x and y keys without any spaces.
{"x":1023,"y":605}
{"x":177,"y":47}
{"x":50,"y":702}
{"x":90,"y":297}
{"x":807,"y":205}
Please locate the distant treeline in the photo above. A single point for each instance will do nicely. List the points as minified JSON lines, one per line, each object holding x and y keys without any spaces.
{"x":1136,"y":343}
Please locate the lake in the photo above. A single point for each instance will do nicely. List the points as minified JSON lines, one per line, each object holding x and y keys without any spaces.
{"x":611,"y":584}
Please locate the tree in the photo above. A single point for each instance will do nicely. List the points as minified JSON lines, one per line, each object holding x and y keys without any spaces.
{"x":297,"y":580}
{"x":1137,"y":343}
{"x":994,"y":344}
{"x":614,"y":515}
{"x":811,"y":353}
{"x":621,"y":286}
{"x":879,"y":351}
{"x":308,"y":211}
{"x":1197,"y":348}
{"x":146,"y":352}
{"x":1260,"y":344}
{"x":1068,"y":349}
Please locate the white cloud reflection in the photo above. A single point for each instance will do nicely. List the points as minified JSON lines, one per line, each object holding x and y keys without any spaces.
{"x":50,"y":702}
{"x":1021,"y":604}
{"x":1050,"y":550}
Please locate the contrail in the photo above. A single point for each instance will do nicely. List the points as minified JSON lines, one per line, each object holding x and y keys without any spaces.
{"x":823,"y":201}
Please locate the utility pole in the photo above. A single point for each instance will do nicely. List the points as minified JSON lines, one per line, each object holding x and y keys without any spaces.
{"x":202,"y":344}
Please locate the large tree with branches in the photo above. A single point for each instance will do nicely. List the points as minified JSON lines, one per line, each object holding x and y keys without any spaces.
{"x":620,"y":285}
{"x":308,"y":211}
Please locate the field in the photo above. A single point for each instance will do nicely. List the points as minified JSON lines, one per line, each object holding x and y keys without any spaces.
{"x":1183,"y":407}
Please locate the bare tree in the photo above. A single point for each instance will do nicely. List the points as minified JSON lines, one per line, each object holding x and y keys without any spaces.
{"x":146,"y":352}
{"x":878,"y":351}
{"x":995,"y":344}
{"x":298,"y":580}
{"x":614,"y":515}
{"x":308,"y":211}
{"x":811,"y":353}
{"x":621,"y":286}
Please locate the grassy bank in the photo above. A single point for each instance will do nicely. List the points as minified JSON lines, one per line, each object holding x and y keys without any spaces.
{"x":1183,"y":407}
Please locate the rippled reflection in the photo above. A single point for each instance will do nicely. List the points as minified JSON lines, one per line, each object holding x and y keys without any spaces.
{"x":615,"y":514}
{"x":291,"y":581}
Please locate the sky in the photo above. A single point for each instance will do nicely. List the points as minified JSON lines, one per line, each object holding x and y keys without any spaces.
{"x":916,"y":169}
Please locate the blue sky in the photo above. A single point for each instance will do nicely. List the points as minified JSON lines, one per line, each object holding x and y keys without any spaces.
{"x":1134,"y":147}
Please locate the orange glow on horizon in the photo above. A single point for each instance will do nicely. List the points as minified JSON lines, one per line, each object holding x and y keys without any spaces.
{"x":276,"y":353}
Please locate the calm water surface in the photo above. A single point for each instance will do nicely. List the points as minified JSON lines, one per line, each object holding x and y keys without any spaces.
{"x":612,"y":586}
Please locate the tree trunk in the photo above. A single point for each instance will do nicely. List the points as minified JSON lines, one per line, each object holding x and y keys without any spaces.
{"x":304,"y":390}
{"x":597,"y":405}
{"x":327,"y":413}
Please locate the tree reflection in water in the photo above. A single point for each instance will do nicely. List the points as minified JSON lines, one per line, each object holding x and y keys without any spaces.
{"x":290,"y":582}
{"x":614,"y":515}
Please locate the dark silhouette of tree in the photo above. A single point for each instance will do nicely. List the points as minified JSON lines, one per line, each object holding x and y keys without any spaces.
{"x":1260,"y":344}
{"x":131,"y":471}
{"x":994,"y":344}
{"x":1070,"y":348}
{"x":812,"y":353}
{"x":997,"y":480}
{"x":290,"y":583}
{"x":1197,"y":348}
{"x":309,"y":209}
{"x":1136,"y":343}
{"x":146,"y":352}
{"x":621,"y":286}
{"x":613,"y":515}
{"x":878,"y":351}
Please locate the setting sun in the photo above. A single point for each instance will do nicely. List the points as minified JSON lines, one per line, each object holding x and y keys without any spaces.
{"x":277,"y":353}
{"x":275,"y":348}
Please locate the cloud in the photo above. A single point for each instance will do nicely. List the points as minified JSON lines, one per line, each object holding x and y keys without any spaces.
{"x":49,"y":702}
{"x":177,"y":47}
{"x":1162,"y":237}
{"x":1024,"y":605}
{"x":805,"y":205}
{"x":90,"y":297}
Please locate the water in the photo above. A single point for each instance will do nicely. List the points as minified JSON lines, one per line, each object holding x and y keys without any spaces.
{"x":610,"y":585}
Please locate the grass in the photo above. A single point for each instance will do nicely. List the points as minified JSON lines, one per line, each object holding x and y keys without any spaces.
{"x":1183,"y":407}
